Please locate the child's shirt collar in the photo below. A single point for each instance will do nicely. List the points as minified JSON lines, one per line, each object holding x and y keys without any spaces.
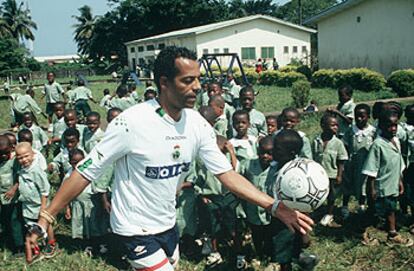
{"x":367,"y":131}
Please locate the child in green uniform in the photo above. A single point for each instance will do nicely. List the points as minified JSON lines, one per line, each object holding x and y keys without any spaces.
{"x":271,"y":122}
{"x":289,"y":119}
{"x":330,"y":152}
{"x":58,"y":127}
{"x":150,"y":94}
{"x":384,"y":166}
{"x":81,"y":96}
{"x":39,"y":136}
{"x":244,"y":144}
{"x":26,"y":135}
{"x":344,"y":111}
{"x":60,"y":163}
{"x":220,"y":124}
{"x":286,"y":245}
{"x":72,"y":121}
{"x":258,"y":127}
{"x":84,"y":212}
{"x":105,"y":99}
{"x":34,"y":191}
{"x":53,"y":92}
{"x":24,"y":103}
{"x":122,"y":100}
{"x":217,"y":203}
{"x":10,"y":208}
{"x":408,"y":180}
{"x":357,"y":139}
{"x":93,"y":135}
{"x":258,"y":219}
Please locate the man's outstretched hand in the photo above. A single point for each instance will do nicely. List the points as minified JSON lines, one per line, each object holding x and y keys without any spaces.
{"x":294,"y":220}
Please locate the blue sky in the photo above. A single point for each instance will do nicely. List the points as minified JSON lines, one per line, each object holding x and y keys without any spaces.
{"x":54,"y":35}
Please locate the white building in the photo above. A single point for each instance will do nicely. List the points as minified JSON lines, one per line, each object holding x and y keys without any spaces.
{"x":377,"y":34}
{"x":251,"y":37}
{"x":57,"y":59}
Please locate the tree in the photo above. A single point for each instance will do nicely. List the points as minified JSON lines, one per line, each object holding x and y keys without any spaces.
{"x":17,"y":20}
{"x":84,"y":29}
{"x":291,"y":12}
{"x":241,"y":8}
{"x":12,"y":55}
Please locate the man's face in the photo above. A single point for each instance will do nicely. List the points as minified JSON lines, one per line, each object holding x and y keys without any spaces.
{"x":214,"y":89}
{"x":93,"y":123}
{"x":59,"y":111}
{"x":50,"y":77}
{"x":290,"y":120}
{"x":27,"y":120}
{"x":241,"y":124}
{"x":25,"y":156}
{"x":182,"y":89}
{"x":247,"y":100}
{"x":71,"y":142}
{"x":71,"y":120}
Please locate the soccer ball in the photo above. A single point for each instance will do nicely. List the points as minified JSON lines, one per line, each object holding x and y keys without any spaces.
{"x":302,"y":185}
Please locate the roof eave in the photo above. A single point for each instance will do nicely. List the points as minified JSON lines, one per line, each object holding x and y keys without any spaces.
{"x":332,"y":10}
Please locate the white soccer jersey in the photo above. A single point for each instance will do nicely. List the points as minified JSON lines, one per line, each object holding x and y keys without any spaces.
{"x":152,"y":155}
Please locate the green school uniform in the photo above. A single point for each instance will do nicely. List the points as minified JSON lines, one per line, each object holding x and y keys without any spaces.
{"x":348,"y":110}
{"x":61,"y":162}
{"x":53,"y":92}
{"x":59,"y":126}
{"x":33,"y":184}
{"x":104,"y":183}
{"x":7,"y":179}
{"x":329,"y":155}
{"x":81,"y":129}
{"x":25,"y":103}
{"x":306,"y":151}
{"x":122,"y":103}
{"x":204,"y":98}
{"x":90,"y":140}
{"x":385,"y":163}
{"x":408,"y":146}
{"x":70,"y":95}
{"x":39,"y":136}
{"x":221,"y":126}
{"x":357,"y":143}
{"x":258,"y":125}
{"x":253,"y":171}
{"x":228,"y":112}
{"x":246,"y":149}
{"x":81,"y":93}
{"x":186,"y":211}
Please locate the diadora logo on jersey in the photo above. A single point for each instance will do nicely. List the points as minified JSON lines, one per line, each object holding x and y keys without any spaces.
{"x":175,"y":137}
{"x":166,"y":172}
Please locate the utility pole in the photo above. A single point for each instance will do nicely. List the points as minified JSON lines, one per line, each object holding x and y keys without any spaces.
{"x":300,"y":12}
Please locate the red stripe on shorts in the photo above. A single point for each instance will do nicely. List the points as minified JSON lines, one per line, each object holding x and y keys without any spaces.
{"x":154,"y":267}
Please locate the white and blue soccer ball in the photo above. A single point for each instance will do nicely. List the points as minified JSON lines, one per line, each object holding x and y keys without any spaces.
{"x":302,"y":185}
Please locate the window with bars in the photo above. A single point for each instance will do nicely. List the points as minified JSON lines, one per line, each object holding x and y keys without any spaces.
{"x":248,"y":53}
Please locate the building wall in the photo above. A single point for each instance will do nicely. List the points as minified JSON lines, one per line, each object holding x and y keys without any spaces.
{"x":258,"y":33}
{"x":383,"y":40}
{"x":146,"y":55}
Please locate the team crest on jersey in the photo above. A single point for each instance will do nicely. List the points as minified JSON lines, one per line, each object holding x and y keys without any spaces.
{"x":176,"y":153}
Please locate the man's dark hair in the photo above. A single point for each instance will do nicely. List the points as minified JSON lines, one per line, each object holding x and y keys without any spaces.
{"x":363,"y":107}
{"x":290,"y":140}
{"x":71,"y":132}
{"x":164,"y":65}
{"x":94,"y":114}
{"x":25,"y":134}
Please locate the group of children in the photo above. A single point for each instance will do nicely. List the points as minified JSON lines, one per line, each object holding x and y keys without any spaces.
{"x":372,"y":162}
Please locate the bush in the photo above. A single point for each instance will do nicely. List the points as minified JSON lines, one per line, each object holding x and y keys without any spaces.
{"x":281,"y":79}
{"x":288,"y":68}
{"x":306,"y":71}
{"x":250,"y":73}
{"x":402,"y":82}
{"x":300,"y":93}
{"x":359,"y":78}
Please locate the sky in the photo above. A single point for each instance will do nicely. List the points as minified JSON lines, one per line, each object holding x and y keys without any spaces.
{"x":54,"y":34}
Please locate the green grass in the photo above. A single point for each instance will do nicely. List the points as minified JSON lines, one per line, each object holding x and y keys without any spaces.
{"x":338,"y":249}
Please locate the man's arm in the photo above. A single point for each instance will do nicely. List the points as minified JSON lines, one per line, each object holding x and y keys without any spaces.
{"x":237,"y":184}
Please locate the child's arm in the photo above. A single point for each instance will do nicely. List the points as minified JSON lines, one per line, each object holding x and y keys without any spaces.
{"x":229,"y":147}
{"x":43,"y":202}
{"x":348,"y":120}
{"x":68,"y":213}
{"x":106,"y":203}
{"x":11,"y":192}
{"x":401,"y":187}
{"x":340,"y":165}
{"x":371,"y":183}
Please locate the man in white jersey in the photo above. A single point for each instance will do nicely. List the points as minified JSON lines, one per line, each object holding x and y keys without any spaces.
{"x":153,"y":145}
